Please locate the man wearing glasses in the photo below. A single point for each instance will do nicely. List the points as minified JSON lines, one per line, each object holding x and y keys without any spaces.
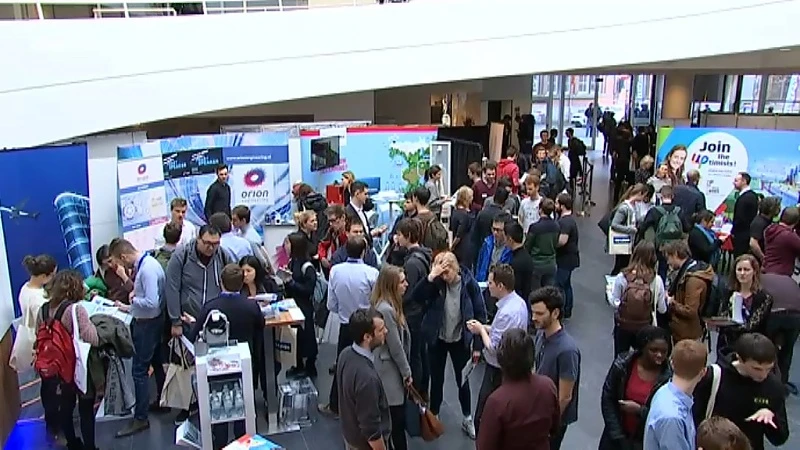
{"x":192,"y":277}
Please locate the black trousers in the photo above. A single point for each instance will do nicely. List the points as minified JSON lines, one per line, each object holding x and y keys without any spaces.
{"x":220,"y":436}
{"x":623,"y":340}
{"x":345,"y":340}
{"x":420,"y":363}
{"x":783,"y":329}
{"x":492,"y":378}
{"x":459,"y":356}
{"x":555,"y":441}
{"x":620,"y":262}
{"x":58,"y":400}
{"x":398,"y":416}
{"x":306,"y":337}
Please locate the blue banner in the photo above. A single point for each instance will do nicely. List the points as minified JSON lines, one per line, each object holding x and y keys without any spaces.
{"x":772,"y":158}
{"x":44,"y":209}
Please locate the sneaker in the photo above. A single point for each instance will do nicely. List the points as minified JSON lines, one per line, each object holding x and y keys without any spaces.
{"x":326,"y":411}
{"x":182,"y":416}
{"x":134,"y":427}
{"x":469,"y":427}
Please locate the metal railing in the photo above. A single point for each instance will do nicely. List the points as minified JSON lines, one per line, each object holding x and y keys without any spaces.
{"x":583,"y":188}
{"x":58,"y":9}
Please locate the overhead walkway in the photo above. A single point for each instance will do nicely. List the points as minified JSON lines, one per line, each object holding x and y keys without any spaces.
{"x":66,"y":78}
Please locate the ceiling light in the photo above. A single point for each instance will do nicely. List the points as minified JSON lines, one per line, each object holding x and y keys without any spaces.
{"x":785,"y":49}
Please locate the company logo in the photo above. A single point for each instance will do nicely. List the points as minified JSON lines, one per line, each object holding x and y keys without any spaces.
{"x":254,"y":178}
{"x":141,"y":169}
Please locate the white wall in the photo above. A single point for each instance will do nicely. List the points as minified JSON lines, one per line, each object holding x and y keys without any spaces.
{"x":350,"y":106}
{"x":80,"y":77}
{"x":103,"y":200}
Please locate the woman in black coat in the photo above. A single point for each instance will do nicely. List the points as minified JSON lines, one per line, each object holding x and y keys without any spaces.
{"x":300,"y":287}
{"x":632,"y":379}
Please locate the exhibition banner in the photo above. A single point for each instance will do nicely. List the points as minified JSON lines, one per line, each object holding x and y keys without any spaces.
{"x":393,"y":157}
{"x":142,"y":200}
{"x":188,"y":167}
{"x":771,"y":157}
{"x":259,"y":179}
{"x":44,"y":209}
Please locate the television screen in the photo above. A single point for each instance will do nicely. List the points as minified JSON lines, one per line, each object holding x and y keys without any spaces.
{"x":324,"y":153}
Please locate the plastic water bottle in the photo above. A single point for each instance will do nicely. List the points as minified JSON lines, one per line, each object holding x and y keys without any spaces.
{"x":227,"y":401}
{"x":216,"y":405}
{"x":238,"y":401}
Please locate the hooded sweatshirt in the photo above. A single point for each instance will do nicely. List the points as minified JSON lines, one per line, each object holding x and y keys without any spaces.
{"x":782,"y":247}
{"x":739,"y":397}
{"x":189,"y":283}
{"x":689,"y":293}
{"x":417,"y":266}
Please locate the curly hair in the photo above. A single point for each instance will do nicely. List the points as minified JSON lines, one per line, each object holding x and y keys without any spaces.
{"x":66,"y":285}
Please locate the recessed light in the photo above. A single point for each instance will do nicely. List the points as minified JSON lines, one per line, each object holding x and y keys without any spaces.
{"x":784,"y":49}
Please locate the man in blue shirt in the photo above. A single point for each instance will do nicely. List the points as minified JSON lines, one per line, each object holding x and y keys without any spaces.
{"x":236,"y":246}
{"x":669,"y":424}
{"x":240,"y":220}
{"x":512,"y":312}
{"x":349,"y":290}
{"x":147,"y":327}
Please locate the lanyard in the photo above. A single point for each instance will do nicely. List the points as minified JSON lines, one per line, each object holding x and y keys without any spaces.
{"x":139,"y":264}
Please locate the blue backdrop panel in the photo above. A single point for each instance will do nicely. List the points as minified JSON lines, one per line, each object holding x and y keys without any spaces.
{"x":44,"y":201}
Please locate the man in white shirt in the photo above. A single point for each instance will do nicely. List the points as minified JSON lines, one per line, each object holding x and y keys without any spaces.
{"x":178,"y":207}
{"x":236,"y":246}
{"x":240,"y":219}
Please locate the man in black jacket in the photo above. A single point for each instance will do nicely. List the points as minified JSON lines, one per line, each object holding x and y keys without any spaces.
{"x":750,"y":395}
{"x":417,"y":266}
{"x":689,"y":197}
{"x":744,"y":211}
{"x":218,"y":195}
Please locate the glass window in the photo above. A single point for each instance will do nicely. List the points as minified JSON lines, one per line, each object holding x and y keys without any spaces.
{"x":751,"y":89}
{"x":782,"y":93}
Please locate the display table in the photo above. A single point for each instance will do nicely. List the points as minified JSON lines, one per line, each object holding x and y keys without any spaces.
{"x":288,"y":315}
{"x":223,"y":374}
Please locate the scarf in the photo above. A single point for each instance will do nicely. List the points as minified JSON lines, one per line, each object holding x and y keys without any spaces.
{"x":712,"y":238}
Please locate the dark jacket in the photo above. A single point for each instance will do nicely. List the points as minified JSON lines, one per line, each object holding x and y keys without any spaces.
{"x":703,"y":248}
{"x":744,"y":211}
{"x":340,"y":256}
{"x":760,"y":310}
{"x":690,"y":199}
{"x":654,"y":216}
{"x":739,"y":397}
{"x":113,"y":333}
{"x":433,"y":296}
{"x":301,"y":286}
{"x":244,"y":316}
{"x":316,"y":202}
{"x":614,"y":436}
{"x":397,"y":254}
{"x":351,"y":212}
{"x":417,"y":266}
{"x":218,"y":199}
{"x":364,"y":407}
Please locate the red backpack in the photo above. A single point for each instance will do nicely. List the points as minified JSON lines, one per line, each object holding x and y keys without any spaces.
{"x":55,"y":350}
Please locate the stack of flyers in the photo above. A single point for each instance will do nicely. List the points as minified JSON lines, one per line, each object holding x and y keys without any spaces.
{"x":253,"y":442}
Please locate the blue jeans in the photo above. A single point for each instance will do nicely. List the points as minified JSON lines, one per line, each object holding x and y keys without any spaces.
{"x":146,"y":335}
{"x":564,"y":281}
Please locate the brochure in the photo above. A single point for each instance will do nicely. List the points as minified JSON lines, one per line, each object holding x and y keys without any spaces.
{"x":252,"y":442}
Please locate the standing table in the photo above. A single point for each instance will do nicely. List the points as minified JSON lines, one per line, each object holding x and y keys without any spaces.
{"x":291,"y":316}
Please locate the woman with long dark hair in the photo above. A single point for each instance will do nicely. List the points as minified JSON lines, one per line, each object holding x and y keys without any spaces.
{"x":629,"y":317}
{"x":300,"y":287}
{"x":256,"y":279}
{"x":675,"y":163}
{"x":64,"y":292}
{"x":632,"y":379}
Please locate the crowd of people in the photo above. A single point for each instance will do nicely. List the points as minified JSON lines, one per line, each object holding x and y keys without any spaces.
{"x":400,"y":317}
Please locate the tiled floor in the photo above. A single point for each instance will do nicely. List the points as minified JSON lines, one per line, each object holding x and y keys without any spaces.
{"x":590,"y":325}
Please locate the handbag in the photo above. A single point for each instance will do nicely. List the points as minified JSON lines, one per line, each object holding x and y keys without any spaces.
{"x":286,"y":346}
{"x":619,"y":243}
{"x":81,"y":354}
{"x":21,"y":358}
{"x":430,"y":427}
{"x":178,"y":389}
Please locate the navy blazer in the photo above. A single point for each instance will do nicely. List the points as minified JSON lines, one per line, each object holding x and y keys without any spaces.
{"x":472,"y":306}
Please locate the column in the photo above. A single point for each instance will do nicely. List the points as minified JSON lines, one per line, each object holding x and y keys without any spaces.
{"x":677,"y":102}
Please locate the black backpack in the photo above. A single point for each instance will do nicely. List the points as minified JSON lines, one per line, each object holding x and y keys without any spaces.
{"x":715,"y":296}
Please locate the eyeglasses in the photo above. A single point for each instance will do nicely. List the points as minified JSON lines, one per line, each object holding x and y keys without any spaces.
{"x":209,"y":244}
{"x":497,"y":230}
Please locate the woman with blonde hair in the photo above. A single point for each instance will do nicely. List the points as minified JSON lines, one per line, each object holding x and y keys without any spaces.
{"x":347,"y":179}
{"x":391,"y":359}
{"x":461,"y":223}
{"x":307,"y":224}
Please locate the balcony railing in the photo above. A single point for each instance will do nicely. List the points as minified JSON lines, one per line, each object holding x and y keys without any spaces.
{"x":82,"y":9}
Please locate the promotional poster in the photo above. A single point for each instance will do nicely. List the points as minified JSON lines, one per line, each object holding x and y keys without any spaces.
{"x":772,"y":158}
{"x":44,"y":214}
{"x":394,"y":157}
{"x":142,"y":200}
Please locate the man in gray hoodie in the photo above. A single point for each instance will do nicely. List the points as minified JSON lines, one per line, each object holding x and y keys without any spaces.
{"x":193,"y":277}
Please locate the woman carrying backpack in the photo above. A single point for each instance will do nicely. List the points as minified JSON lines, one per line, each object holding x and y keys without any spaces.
{"x":624,"y":221}
{"x":637,"y":295}
{"x":54,"y":348}
{"x":300,"y":286}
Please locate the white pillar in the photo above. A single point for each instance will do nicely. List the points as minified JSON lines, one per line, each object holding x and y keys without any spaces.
{"x":677,"y":103}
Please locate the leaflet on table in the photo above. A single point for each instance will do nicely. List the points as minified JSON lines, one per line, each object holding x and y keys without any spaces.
{"x":100,"y":305}
{"x":252,"y":442}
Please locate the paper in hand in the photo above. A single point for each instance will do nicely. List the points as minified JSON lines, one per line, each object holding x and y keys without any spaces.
{"x":467,"y":371}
